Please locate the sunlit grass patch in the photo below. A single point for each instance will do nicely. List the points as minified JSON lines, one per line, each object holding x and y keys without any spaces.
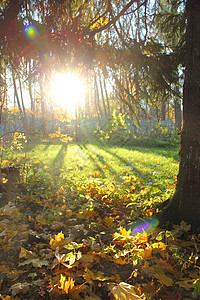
{"x":125,"y":175}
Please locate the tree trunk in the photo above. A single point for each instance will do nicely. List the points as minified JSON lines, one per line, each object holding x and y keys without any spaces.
{"x":185,"y":203}
{"x":178,"y":113}
{"x":106,"y":93}
{"x":97,"y":100}
{"x":32,"y":125}
{"x":23,"y":107}
{"x":43,"y":108}
{"x":102,"y":95}
{"x":163,"y":109}
{"x":18,"y":101}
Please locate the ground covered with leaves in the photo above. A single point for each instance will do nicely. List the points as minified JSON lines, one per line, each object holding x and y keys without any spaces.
{"x":95,"y":240}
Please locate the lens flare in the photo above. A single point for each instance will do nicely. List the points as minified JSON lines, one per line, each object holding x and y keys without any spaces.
{"x":31,"y":32}
{"x":148,"y":225}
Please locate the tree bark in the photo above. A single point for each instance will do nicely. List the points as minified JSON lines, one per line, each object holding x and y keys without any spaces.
{"x":106,"y":93}
{"x":178,"y":113}
{"x":185,"y":203}
{"x":102,"y":95}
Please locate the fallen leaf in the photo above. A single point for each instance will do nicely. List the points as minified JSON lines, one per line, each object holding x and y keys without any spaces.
{"x":141,"y":238}
{"x":66,"y":284}
{"x":19,"y":288}
{"x":163,"y":279}
{"x":89,"y":276}
{"x":160,"y":245}
{"x":124,"y":291}
{"x":87,"y":214}
{"x":183,"y":227}
{"x":27,"y":254}
{"x":58,"y":242}
{"x":146,"y":253}
{"x":149,"y":288}
{"x":186,"y":284}
{"x":36,"y":262}
{"x":109,"y":221}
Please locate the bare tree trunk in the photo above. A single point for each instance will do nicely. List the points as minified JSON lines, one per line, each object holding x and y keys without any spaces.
{"x":23,"y":106}
{"x":97,"y":100}
{"x":102,"y":95}
{"x":18,"y":101}
{"x":32,"y":127}
{"x":106,"y":93}
{"x":43,"y":108}
{"x":163,"y":111}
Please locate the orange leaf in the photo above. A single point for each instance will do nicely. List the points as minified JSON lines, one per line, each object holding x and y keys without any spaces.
{"x":141,"y":238}
{"x":146,"y":253}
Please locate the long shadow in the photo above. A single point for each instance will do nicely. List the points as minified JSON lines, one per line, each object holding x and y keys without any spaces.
{"x":94,"y":157}
{"x":59,"y":159}
{"x":166,"y":152}
{"x":124,"y":161}
{"x":127,"y":163}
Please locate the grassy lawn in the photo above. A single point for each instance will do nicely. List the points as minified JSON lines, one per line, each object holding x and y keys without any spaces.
{"x":85,"y":164}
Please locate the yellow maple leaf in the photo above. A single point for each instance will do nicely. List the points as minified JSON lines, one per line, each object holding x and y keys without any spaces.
{"x":58,"y":242}
{"x":124,"y":232}
{"x":123,"y":236}
{"x":66,"y":284}
{"x":160,"y":245}
{"x":125,"y":291}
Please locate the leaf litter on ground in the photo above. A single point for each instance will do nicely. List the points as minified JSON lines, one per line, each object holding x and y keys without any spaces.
{"x":82,"y":244}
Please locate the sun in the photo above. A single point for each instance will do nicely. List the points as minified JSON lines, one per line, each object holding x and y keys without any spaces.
{"x":68,"y":91}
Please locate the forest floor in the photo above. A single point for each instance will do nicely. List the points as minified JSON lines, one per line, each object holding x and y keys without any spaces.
{"x":84,"y":226}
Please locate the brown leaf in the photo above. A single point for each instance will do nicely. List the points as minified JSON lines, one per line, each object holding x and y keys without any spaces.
{"x":19,"y":288}
{"x":27,"y":254}
{"x":186,"y":284}
{"x":89,"y":276}
{"x":163,"y":279}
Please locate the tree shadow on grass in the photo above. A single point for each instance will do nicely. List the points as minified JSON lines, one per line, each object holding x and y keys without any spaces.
{"x":165,"y":152}
{"x":98,"y":159}
{"x":59,"y":160}
{"x":127,"y":164}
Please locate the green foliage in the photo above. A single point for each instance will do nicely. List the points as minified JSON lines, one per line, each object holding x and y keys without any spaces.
{"x":10,"y":149}
{"x":115,"y":130}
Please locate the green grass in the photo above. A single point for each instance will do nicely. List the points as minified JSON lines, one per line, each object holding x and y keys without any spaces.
{"x":83,"y":164}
